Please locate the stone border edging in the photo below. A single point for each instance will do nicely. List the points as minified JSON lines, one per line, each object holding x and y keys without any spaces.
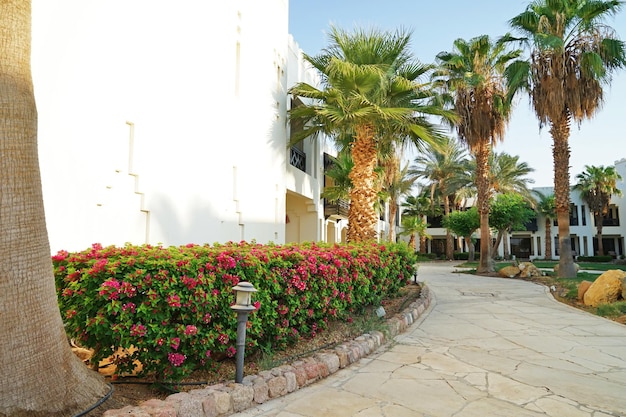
{"x":224,"y":399}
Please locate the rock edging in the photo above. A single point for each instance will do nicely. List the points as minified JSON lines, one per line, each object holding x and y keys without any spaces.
{"x":224,"y":399}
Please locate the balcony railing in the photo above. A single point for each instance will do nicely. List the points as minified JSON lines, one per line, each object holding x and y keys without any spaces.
{"x":339,"y":208}
{"x":610,"y":222}
{"x":297,"y":158}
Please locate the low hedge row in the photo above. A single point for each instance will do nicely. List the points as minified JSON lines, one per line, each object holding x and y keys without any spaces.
{"x":605,"y":258}
{"x":173,"y":304}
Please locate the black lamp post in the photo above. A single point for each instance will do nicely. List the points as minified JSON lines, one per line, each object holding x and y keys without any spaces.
{"x":243,"y":306}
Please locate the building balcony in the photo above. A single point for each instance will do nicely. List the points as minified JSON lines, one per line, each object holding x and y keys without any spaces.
{"x":339,"y":208}
{"x":297,"y":158}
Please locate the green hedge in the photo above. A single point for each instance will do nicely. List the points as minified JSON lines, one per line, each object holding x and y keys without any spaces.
{"x":605,"y":258}
{"x":461,"y":256}
{"x":173,"y":304}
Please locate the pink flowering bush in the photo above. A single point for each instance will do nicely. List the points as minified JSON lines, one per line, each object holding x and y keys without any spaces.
{"x":173,"y":304}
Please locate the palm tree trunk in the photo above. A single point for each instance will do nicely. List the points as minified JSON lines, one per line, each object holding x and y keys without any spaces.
{"x":505,"y":244}
{"x":470,"y":248}
{"x":486,"y":263}
{"x":422,"y":244}
{"x":393,"y":210}
{"x":362,"y":217}
{"x":412,"y":242}
{"x":449,"y":239}
{"x":548,"y":238}
{"x":40,"y":374}
{"x":561,"y":153}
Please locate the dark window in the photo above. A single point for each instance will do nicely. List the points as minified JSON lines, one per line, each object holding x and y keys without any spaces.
{"x":573,"y":215}
{"x":612,"y":217}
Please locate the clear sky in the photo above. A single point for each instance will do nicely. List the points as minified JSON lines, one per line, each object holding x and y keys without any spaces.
{"x":435,"y":25}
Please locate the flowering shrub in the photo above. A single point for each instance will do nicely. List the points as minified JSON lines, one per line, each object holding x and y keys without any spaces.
{"x":173,"y":304}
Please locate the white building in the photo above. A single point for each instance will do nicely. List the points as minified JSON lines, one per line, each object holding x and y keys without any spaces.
{"x":166,"y":123}
{"x":530,"y":244}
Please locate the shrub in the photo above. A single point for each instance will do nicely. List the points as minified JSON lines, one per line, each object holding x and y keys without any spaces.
{"x":173,"y":304}
{"x":461,"y":256}
{"x":605,"y":258}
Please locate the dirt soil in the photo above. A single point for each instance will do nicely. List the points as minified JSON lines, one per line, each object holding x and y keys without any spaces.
{"x":132,"y":391}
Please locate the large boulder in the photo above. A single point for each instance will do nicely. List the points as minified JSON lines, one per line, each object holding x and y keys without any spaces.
{"x":528,"y":270}
{"x":582,"y":289}
{"x":556,"y":268}
{"x":509,"y":271}
{"x":607,"y":288}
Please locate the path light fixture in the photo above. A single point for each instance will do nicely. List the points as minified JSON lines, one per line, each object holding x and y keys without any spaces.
{"x":243,"y":306}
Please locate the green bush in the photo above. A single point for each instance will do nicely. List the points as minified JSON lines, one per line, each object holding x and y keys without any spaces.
{"x":605,"y":258}
{"x":173,"y":304}
{"x":461,"y":256}
{"x":426,"y":256}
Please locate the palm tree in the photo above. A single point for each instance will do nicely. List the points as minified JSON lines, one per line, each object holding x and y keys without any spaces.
{"x":414,"y":225}
{"x":596,"y":186}
{"x":370,"y":95}
{"x":396,"y":183}
{"x":417,"y":207}
{"x":572,"y":55}
{"x":339,"y":172}
{"x":473,"y":73}
{"x":40,"y":374}
{"x":441,"y":168}
{"x":509,"y":175}
{"x":545,"y":206}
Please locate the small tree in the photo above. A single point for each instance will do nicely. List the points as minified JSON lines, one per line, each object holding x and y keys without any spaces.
{"x":508,"y":212}
{"x":464,"y":223}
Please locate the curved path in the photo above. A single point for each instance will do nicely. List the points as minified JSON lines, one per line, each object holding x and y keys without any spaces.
{"x":487,"y":347}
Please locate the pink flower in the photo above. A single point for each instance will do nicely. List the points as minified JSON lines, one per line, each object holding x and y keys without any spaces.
{"x":129,"y":306}
{"x":61,"y":255}
{"x":191,"y":330}
{"x":207,"y":317}
{"x":223,"y":338}
{"x":138,"y":330}
{"x":175,"y":343}
{"x":173,"y":300}
{"x":176,"y":359}
{"x":231,"y":351}
{"x":207,"y":354}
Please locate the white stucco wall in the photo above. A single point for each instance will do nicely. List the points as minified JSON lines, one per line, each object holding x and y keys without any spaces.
{"x":202,"y":83}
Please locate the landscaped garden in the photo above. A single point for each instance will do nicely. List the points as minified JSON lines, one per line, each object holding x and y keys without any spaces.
{"x":566,"y":289}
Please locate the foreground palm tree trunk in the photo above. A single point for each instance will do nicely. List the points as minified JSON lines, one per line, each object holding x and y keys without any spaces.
{"x":561,"y":153}
{"x":486,"y":264}
{"x":362,"y":217}
{"x":598,"y":220}
{"x":40,"y":374}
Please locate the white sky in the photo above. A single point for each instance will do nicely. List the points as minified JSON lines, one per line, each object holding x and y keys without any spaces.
{"x":435,"y":25}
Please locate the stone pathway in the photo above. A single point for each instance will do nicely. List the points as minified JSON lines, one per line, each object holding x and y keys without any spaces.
{"x":487,"y":347}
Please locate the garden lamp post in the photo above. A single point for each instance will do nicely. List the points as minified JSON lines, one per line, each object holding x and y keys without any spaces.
{"x":243,"y":306}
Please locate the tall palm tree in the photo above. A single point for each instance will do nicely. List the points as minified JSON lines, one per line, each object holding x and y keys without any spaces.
{"x":596,"y":185}
{"x":572,"y":56}
{"x":40,"y":374}
{"x":418,"y":207}
{"x":371,"y":94}
{"x":545,"y":206}
{"x":473,"y":73}
{"x":440,"y":167}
